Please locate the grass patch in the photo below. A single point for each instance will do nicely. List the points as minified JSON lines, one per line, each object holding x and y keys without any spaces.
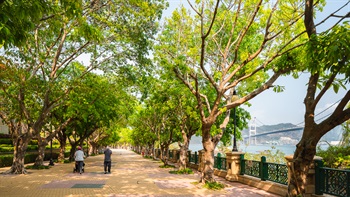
{"x":66,"y":161}
{"x":167,"y":166}
{"x":33,"y":167}
{"x":214,"y":185}
{"x":184,"y":171}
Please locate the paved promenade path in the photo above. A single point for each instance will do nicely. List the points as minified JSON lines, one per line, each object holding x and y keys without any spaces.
{"x":131,"y":176}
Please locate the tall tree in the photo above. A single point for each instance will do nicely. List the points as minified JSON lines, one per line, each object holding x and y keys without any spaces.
{"x":18,"y":19}
{"x":327,"y":59}
{"x":222,"y":47}
{"x":111,"y":33}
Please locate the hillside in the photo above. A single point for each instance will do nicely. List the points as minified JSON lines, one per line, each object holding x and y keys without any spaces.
{"x":290,"y":138}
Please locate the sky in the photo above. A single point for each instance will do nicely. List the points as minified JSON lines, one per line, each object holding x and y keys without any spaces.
{"x":271,"y":108}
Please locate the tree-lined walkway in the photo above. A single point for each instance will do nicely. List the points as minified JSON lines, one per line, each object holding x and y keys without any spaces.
{"x":131,"y":175}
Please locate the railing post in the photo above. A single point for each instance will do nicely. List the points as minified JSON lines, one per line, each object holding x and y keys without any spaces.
{"x":233,"y":165}
{"x":242,"y":164}
{"x":189,"y":156}
{"x":195,"y":157}
{"x":218,"y":161}
{"x":347,"y":182}
{"x":263,"y":169}
{"x":319,"y":177}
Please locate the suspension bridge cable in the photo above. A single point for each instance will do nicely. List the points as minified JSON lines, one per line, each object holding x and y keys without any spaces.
{"x":260,"y":121}
{"x":323,"y":117}
{"x":322,"y":112}
{"x":328,"y":108}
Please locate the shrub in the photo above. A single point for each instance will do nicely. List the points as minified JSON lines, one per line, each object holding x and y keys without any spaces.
{"x":7,"y":141}
{"x":6,"y":148}
{"x":167,"y":166}
{"x":335,"y":156}
{"x":37,"y":167}
{"x":32,"y":147}
{"x":273,"y":156}
{"x":33,"y":142}
{"x":6,"y":160}
{"x":184,"y":171}
{"x":214,"y":185}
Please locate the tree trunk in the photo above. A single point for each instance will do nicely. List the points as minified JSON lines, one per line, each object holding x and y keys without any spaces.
{"x":20,"y":146}
{"x":62,"y":151}
{"x":93,"y":147}
{"x":62,"y":138}
{"x":164,"y":155}
{"x":183,"y":153}
{"x":39,"y":160}
{"x":303,"y":158}
{"x":71,"y":153}
{"x":183,"y":157}
{"x":208,"y":163}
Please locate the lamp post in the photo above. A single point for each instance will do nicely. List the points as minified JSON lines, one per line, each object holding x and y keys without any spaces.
{"x":51,"y":160}
{"x":234,"y":98}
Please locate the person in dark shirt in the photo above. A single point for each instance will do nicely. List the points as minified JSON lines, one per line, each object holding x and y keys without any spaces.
{"x":108,"y":160}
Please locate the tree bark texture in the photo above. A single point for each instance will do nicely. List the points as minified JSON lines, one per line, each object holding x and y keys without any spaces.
{"x":303,"y":158}
{"x":62,"y":138}
{"x":20,"y":146}
{"x":208,"y":163}
{"x":183,"y":156}
{"x":39,"y":160}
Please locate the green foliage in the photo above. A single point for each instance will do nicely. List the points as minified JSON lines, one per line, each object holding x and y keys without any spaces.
{"x":345,"y":140}
{"x":272,"y":156}
{"x":18,"y":18}
{"x":242,"y":117}
{"x":148,"y":157}
{"x":183,"y":171}
{"x":6,"y":141}
{"x":33,"y":142}
{"x":6,"y":160}
{"x":6,"y":148}
{"x":67,"y":161}
{"x":214,"y":185}
{"x":328,"y":54}
{"x":167,"y":166}
{"x":335,"y":156}
{"x":37,"y":167}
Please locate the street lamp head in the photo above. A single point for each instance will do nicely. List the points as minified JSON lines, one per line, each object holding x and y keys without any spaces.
{"x":234,"y":97}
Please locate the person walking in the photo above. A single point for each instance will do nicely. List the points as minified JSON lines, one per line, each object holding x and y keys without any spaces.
{"x":108,"y":160}
{"x":79,"y":159}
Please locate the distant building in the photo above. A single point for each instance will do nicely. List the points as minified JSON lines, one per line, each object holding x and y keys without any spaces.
{"x":3,"y":128}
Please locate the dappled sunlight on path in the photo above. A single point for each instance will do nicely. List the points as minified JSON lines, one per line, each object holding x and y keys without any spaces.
{"x":131,"y":176}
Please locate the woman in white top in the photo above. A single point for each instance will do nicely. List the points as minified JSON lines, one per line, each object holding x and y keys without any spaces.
{"x":79,"y":159}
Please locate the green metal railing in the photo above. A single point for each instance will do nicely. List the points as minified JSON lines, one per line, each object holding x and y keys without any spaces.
{"x":170,"y":154}
{"x":327,"y":180}
{"x":331,"y":181}
{"x":264,"y":170}
{"x":277,"y":173}
{"x":220,"y":162}
{"x":193,"y":158}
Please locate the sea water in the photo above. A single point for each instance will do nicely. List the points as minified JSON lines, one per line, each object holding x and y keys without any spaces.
{"x":255,"y":149}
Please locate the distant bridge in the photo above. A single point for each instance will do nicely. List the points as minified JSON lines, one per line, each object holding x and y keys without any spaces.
{"x":276,"y":131}
{"x":253,"y":134}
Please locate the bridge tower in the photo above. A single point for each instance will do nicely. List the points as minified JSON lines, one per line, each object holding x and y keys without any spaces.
{"x":252,"y":131}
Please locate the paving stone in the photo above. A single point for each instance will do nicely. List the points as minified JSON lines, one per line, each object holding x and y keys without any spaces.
{"x":131,"y":176}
